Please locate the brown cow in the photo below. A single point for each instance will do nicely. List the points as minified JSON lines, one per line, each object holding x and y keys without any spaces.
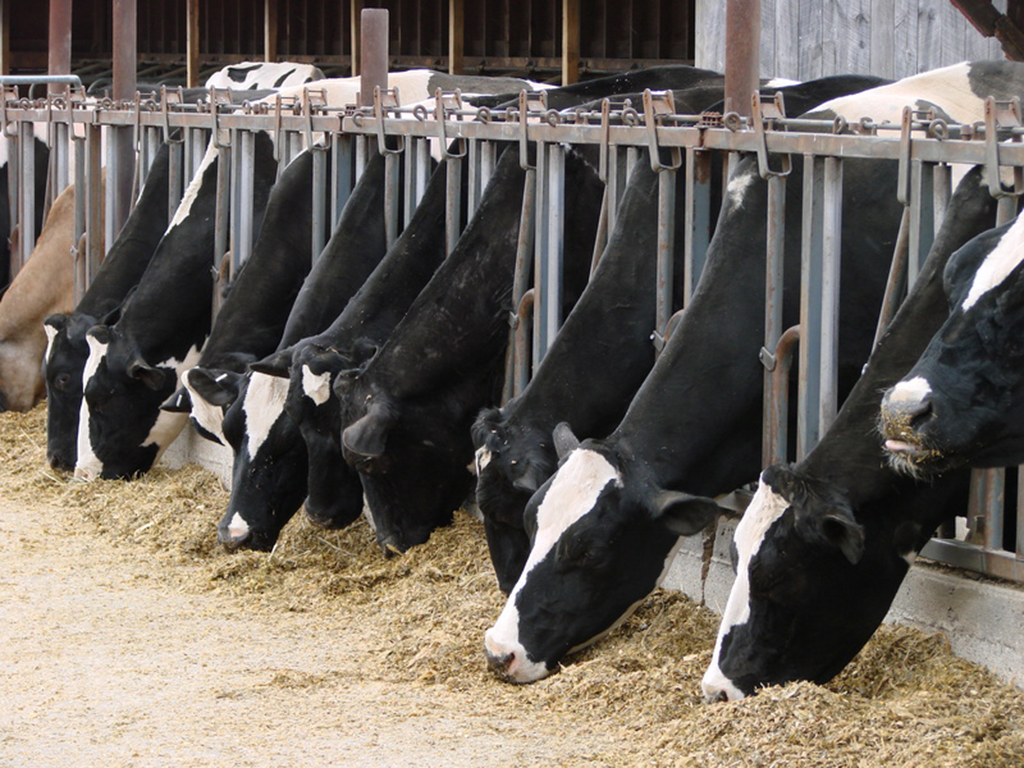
{"x":43,"y":286}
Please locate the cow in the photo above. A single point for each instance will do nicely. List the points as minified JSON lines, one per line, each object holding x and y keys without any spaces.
{"x":119,"y":273}
{"x":406,"y":413}
{"x":252,"y":318}
{"x":825,"y":543}
{"x":605,"y":525}
{"x":611,"y":323}
{"x":134,"y":364}
{"x":269,"y":465}
{"x":253,"y":75}
{"x":44,"y":285}
{"x":9,"y":238}
{"x":963,"y":400}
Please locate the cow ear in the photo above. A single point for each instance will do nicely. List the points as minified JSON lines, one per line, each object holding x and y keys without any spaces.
{"x":838,"y":527}
{"x":147,"y":374}
{"x":531,"y":478}
{"x":363,"y":349}
{"x":368,"y":436}
{"x":683,"y":514}
{"x":278,"y":364}
{"x":179,"y":402}
{"x":215,"y":387}
{"x":101,"y":333}
{"x":565,"y":441}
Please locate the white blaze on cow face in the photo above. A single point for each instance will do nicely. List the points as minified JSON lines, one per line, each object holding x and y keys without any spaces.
{"x":238,"y":529}
{"x":316,"y":386}
{"x":51,"y":334}
{"x":169,"y":425}
{"x":910,"y":391}
{"x":998,"y":265}
{"x":764,"y":509}
{"x":87,"y":464}
{"x":263,"y":406}
{"x":573,"y":492}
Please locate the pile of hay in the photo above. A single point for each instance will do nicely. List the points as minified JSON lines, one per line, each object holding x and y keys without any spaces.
{"x":906,"y":700}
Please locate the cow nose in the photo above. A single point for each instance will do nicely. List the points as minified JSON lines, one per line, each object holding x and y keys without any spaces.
{"x":56,"y":461}
{"x":904,"y":411}
{"x":500,"y":662}
{"x":713,"y":697}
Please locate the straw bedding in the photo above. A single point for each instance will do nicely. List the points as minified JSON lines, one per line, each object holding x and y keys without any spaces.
{"x":906,"y":700}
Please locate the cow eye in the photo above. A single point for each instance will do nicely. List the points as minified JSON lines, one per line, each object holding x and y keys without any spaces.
{"x":61,"y":381}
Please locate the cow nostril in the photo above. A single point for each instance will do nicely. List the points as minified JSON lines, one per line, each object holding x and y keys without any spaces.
{"x":716,"y":697}
{"x":500,"y":663}
{"x":920,"y":413}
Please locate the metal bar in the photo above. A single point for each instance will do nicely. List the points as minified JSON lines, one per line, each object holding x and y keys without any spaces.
{"x":922,"y":217}
{"x":192,"y":42}
{"x":774,"y":389}
{"x":832,"y":225}
{"x":808,"y":415}
{"x":51,"y":79}
{"x":391,"y":181}
{"x":78,"y":253}
{"x":743,"y":52}
{"x":373,"y":64}
{"x":175,"y":160}
{"x":519,"y":370}
{"x":319,"y":201}
{"x":94,"y":203}
{"x":896,"y":285}
{"x":541,"y":253}
{"x":342,"y":169}
{"x":666,"y":249}
{"x":242,"y":234}
{"x":26,"y":194}
{"x":59,"y":52}
{"x":775,"y":440}
{"x":409,"y":182}
{"x":942,"y":189}
{"x":422,"y":171}
{"x":698,"y":228}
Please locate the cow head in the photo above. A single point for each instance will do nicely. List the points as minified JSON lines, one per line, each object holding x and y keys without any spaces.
{"x":334,"y":493}
{"x":206,"y":394}
{"x":412,"y":484}
{"x":269,"y":469}
{"x":122,"y":430}
{"x":813,"y":581}
{"x":600,"y":542}
{"x":512,"y":462}
{"x":963,"y":401}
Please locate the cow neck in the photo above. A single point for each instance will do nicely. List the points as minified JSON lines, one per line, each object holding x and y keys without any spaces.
{"x":850,"y":455}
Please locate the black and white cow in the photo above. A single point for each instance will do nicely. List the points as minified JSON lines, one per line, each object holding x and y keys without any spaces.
{"x":407,"y":413}
{"x":41,"y":158}
{"x":252,"y":75}
{"x":134,"y":364}
{"x":250,"y":322}
{"x":825,"y":543}
{"x":601,"y":355}
{"x":605,"y":525}
{"x":121,"y":270}
{"x":262,"y":501}
{"x":963,"y":401}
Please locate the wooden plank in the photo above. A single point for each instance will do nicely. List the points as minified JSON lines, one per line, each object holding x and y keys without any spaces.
{"x":956,"y":34}
{"x":904,"y":38}
{"x":356,"y":7}
{"x":855,"y":55}
{"x":929,"y":36}
{"x":192,"y":43}
{"x":270,"y":30}
{"x":456,"y":40}
{"x":709,"y":44}
{"x":809,"y":45}
{"x":787,"y":40}
{"x":769,"y":38}
{"x":5,"y":37}
{"x":570,"y":41}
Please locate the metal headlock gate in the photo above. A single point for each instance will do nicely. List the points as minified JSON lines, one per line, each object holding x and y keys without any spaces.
{"x":923,"y":146}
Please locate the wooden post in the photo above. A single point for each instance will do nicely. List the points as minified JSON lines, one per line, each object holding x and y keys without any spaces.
{"x":742,"y":53}
{"x":192,"y":42}
{"x":357,"y":43}
{"x":570,"y":41}
{"x":373,"y":59}
{"x":5,"y":37}
{"x":456,"y":36}
{"x":59,"y":55}
{"x":270,"y":30}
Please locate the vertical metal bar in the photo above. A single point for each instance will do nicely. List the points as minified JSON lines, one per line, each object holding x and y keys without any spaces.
{"x":409,"y":182}
{"x":632,"y":156}
{"x":743,"y":52}
{"x":175,"y":160}
{"x":59,"y":51}
{"x":666,"y":248}
{"x":540,"y":251}
{"x":373,"y":59}
{"x":475,"y":189}
{"x":422,"y":170}
{"x":615,"y":186}
{"x":81,"y":199}
{"x":895,"y":286}
{"x":270,"y":30}
{"x":516,"y":382}
{"x":942,"y":189}
{"x":242,"y":239}
{"x":453,"y":202}
{"x":26,"y":192}
{"x":192,"y":42}
{"x":697,"y":232}
{"x":362,"y":148}
{"x":548,"y":315}
{"x":59,"y":157}
{"x":922,"y":217}
{"x":319,"y":201}
{"x":456,"y":35}
{"x":121,"y":163}
{"x":832,"y":231}
{"x":342,"y":167}
{"x":94,"y":204}
{"x":775,"y":251}
{"x":1019,"y":544}
{"x":808,"y":427}
{"x":391,"y":198}
{"x":487,"y":160}
{"x":222,"y":220}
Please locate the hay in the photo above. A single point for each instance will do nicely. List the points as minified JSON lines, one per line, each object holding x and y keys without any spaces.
{"x":906,"y":700}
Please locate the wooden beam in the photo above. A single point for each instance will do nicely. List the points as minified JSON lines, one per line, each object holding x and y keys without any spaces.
{"x":991,"y":23}
{"x":456,"y":36}
{"x":5,"y":37}
{"x":270,"y":30}
{"x":192,"y":42}
{"x":570,"y":41}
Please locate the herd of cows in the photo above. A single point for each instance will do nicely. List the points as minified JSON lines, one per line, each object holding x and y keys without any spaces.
{"x":372,"y":377}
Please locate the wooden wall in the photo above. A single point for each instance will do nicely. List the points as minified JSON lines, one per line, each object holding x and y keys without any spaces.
{"x":806,"y":39}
